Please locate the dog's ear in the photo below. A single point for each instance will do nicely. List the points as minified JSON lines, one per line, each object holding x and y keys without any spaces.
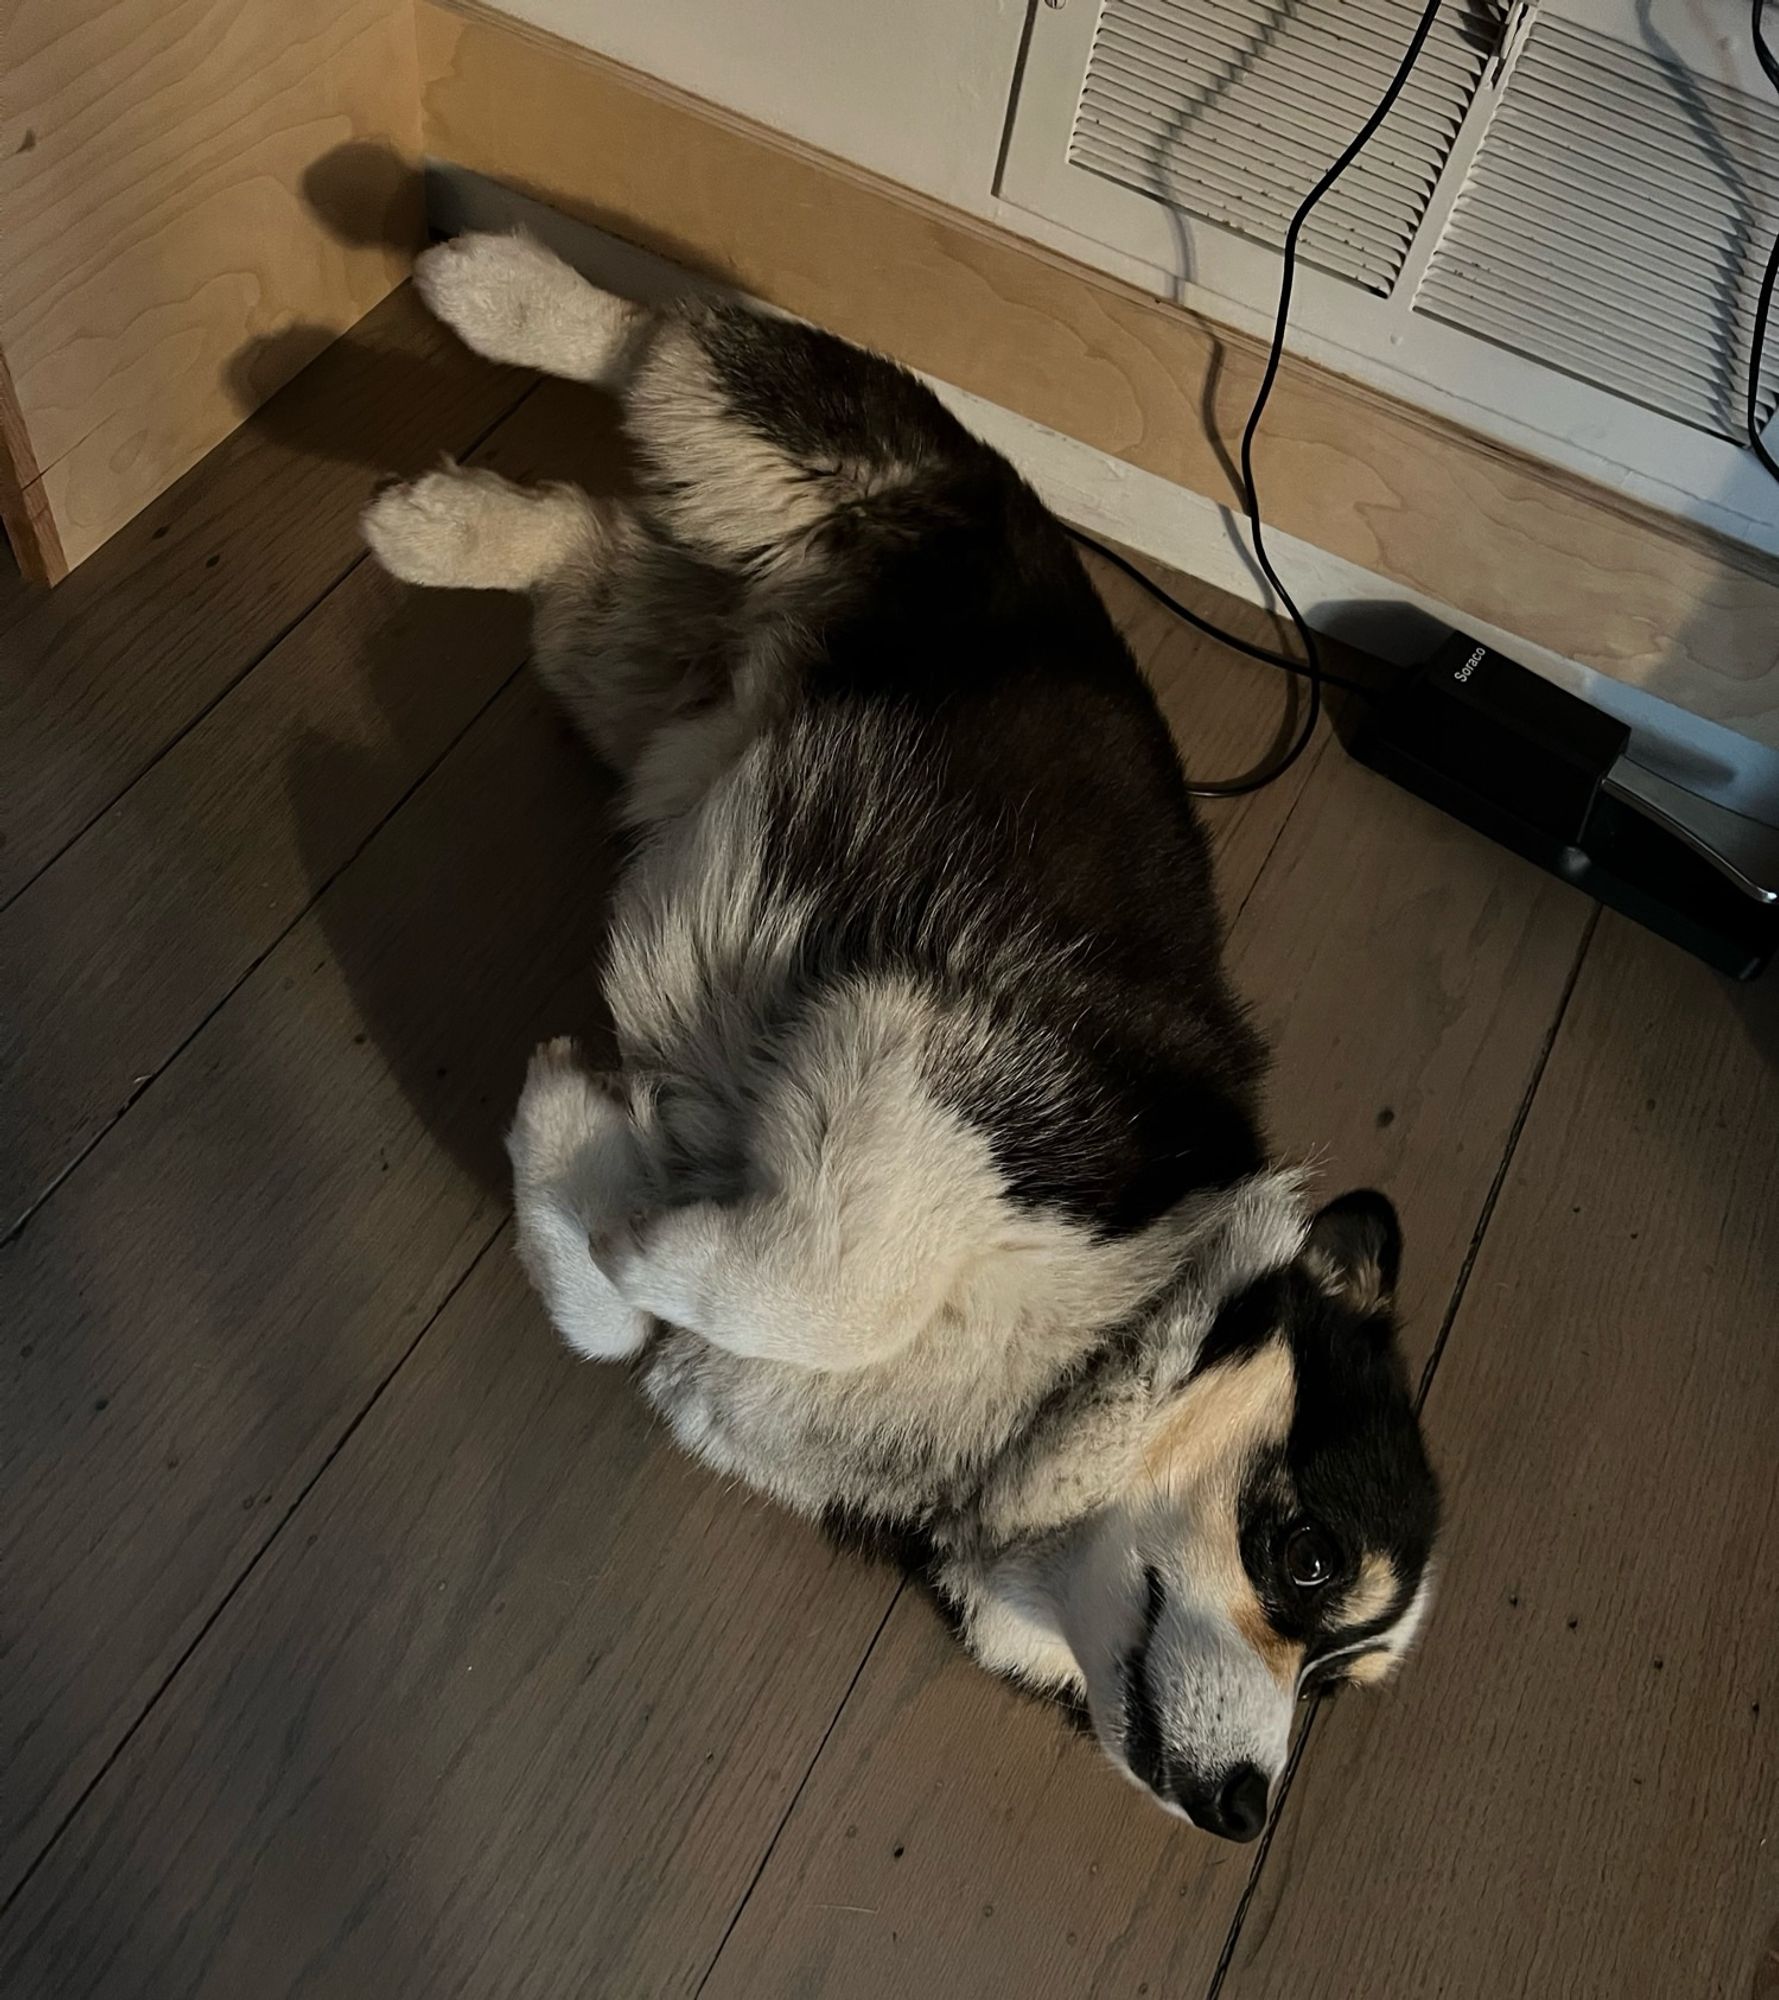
{"x":1354,"y":1250}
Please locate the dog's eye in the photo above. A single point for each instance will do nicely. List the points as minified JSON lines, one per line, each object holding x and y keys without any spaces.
{"x":1310,"y":1558}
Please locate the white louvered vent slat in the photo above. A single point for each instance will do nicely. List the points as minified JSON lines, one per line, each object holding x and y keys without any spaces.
{"x":1231,"y":110}
{"x":1614,"y":224}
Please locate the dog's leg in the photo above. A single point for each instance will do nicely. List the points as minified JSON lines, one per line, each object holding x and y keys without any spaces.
{"x":710,"y":392}
{"x":575,"y":1170}
{"x":464,"y":530}
{"x":856,"y":1210}
{"x":627,"y":634}
{"x":749,"y":1281}
{"x":509,"y":298}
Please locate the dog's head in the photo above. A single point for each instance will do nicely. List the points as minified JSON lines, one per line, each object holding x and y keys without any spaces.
{"x":1278,"y":1537}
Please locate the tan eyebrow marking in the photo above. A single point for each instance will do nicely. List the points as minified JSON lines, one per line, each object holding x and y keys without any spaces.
{"x":1374,"y":1590}
{"x":1368,"y":1669}
{"x":1220,"y":1420}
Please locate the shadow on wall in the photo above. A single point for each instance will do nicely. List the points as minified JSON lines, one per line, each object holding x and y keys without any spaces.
{"x":365,"y":195}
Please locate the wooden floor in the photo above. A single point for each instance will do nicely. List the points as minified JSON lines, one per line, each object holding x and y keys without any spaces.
{"x":358,"y":1643}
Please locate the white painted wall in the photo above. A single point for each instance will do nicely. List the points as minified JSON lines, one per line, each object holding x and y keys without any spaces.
{"x":914,"y":89}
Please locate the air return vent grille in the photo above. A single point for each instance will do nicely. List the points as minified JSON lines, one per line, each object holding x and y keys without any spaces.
{"x":1230,"y":110}
{"x":1614,"y":226}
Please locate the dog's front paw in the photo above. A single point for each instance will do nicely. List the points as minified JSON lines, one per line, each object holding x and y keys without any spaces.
{"x":668,"y":1262}
{"x":573,"y":1166}
{"x":585,"y":1308}
{"x":470,"y":530}
{"x":562,"y":1107}
{"x":425,"y":531}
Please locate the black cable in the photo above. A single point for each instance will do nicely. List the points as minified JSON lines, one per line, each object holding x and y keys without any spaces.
{"x":1764,"y":305}
{"x":1310,"y":668}
{"x":1264,"y":654}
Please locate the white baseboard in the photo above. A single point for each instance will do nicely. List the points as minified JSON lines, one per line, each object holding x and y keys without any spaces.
{"x":1124,"y":504}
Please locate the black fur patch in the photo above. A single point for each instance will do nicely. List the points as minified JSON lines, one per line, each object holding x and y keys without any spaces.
{"x":1145,"y":1748}
{"x":1245,"y":1322}
{"x":1035,"y":767}
{"x":820,"y":401}
{"x":1353,"y":1465}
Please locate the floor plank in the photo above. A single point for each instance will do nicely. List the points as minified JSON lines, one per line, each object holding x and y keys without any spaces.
{"x":100,"y":674}
{"x":512,"y":1708}
{"x":1406,"y":974}
{"x":118,"y":950}
{"x":953,"y":1837}
{"x":196,"y":1316}
{"x":1575,"y":1791}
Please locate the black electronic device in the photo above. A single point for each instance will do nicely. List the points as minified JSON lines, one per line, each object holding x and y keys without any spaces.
{"x":1540,"y":770}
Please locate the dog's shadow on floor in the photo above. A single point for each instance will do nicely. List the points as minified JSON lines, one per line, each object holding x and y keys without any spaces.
{"x":471,"y":925}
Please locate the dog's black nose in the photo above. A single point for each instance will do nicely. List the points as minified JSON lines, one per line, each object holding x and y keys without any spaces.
{"x":1240,"y":1810}
{"x":1233,"y":1806}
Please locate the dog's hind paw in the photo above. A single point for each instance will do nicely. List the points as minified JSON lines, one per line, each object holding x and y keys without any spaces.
{"x":492,"y":291}
{"x":512,"y":300}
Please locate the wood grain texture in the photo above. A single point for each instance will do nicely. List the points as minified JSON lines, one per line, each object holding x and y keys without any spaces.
{"x":955,"y":1837}
{"x":1575,"y":1791}
{"x":99,"y":676}
{"x":512,"y":1707}
{"x":195,"y":1317}
{"x":183,"y":184}
{"x":1405,"y":973}
{"x":1527,"y":548}
{"x":118,"y":951}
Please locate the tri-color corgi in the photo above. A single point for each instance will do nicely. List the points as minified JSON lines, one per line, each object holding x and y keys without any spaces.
{"x":931,"y":1189}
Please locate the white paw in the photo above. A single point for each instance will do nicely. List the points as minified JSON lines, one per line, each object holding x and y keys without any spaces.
{"x":562,"y":1106}
{"x":667,"y":1262}
{"x":430,"y":530}
{"x":584,"y":1306}
{"x":512,"y":300}
{"x":462,"y":530}
{"x":574,"y":1165}
{"x":487,"y":290}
